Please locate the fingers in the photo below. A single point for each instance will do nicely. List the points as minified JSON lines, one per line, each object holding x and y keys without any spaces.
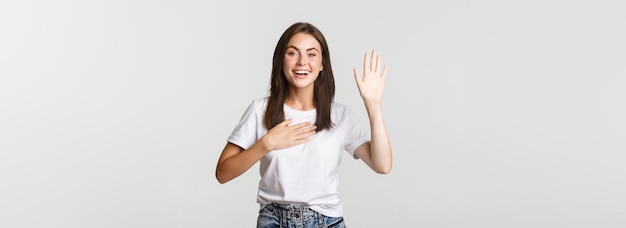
{"x":306,"y":129}
{"x":306,"y":132}
{"x":378,"y":62}
{"x":372,"y":62}
{"x":384,"y":73}
{"x":301,"y":125}
{"x":283,"y":135}
{"x":356,"y":75}
{"x":302,"y":140}
{"x":303,"y":128}
{"x":366,"y":60}
{"x":286,"y":122}
{"x":302,"y":132}
{"x":296,"y":126}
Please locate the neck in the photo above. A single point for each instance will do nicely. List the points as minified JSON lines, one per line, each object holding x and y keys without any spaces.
{"x":300,"y":99}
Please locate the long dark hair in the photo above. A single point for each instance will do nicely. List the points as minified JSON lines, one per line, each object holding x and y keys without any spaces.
{"x":324,"y":86}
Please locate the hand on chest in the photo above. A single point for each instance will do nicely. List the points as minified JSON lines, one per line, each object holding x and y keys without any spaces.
{"x":323,"y":147}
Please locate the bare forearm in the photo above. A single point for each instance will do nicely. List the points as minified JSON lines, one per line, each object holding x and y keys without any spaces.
{"x":239,"y":163}
{"x":380,"y":146}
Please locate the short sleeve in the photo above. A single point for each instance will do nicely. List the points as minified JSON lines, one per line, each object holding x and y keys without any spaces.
{"x":244,"y":134}
{"x":355,"y":135}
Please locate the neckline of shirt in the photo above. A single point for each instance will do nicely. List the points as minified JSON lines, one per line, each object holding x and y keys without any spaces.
{"x":299,"y":111}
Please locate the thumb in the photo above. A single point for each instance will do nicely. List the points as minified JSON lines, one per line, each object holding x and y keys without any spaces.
{"x":356,"y":76}
{"x":286,"y":122}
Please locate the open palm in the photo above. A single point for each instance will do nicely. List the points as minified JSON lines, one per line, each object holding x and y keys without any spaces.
{"x":372,"y":83}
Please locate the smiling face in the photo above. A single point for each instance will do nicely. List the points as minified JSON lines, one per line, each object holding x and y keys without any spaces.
{"x":302,"y":61}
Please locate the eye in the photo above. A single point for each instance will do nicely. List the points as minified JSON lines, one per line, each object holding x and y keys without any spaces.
{"x":312,"y":54}
{"x":292,"y":53}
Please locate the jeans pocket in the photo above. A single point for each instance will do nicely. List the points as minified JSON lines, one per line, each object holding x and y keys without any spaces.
{"x":267,"y":218}
{"x":335,"y":222}
{"x":268,"y":211}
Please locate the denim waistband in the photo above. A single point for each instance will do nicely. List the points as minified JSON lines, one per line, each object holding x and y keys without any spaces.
{"x":294,"y":212}
{"x":290,"y":207}
{"x":294,"y":215}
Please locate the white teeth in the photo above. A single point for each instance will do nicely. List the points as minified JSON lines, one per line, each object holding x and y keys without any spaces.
{"x":301,"y":72}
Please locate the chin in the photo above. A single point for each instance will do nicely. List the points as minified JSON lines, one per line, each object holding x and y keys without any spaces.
{"x":302,"y":86}
{"x":302,"y":83}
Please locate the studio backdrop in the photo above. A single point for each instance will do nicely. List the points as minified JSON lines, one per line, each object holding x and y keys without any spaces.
{"x":500,"y":113}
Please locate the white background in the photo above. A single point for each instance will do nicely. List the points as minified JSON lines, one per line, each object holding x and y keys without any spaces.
{"x":501,"y":113}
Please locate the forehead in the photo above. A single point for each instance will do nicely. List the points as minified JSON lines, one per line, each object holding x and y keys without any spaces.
{"x":304,"y":41}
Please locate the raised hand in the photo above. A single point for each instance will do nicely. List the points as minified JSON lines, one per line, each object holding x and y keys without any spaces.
{"x":282,"y":135}
{"x":373,"y":81}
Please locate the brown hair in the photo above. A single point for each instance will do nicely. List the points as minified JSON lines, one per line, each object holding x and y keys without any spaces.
{"x":324,"y":86}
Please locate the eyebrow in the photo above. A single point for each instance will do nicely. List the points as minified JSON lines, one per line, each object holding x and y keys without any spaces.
{"x":306,"y":49}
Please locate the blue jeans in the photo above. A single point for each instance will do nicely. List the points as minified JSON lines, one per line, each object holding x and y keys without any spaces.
{"x":295,"y":216}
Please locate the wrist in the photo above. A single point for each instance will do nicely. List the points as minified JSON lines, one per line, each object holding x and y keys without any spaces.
{"x":265,"y":145}
{"x":372,"y":103}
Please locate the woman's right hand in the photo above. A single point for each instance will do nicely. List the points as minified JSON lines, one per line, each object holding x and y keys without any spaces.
{"x":283,"y":136}
{"x":235,"y":160}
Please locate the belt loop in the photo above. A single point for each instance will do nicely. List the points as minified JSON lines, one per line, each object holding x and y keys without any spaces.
{"x":283,"y":217}
{"x":321,"y":219}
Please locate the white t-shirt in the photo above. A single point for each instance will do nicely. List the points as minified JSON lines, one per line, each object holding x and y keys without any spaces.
{"x":305,"y":174}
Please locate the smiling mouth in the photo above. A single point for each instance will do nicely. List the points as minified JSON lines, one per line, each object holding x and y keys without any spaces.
{"x":301,"y":73}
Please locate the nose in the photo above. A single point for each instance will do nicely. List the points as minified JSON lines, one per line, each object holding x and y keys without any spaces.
{"x":301,"y":61}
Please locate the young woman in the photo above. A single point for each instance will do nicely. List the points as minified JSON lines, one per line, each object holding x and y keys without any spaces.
{"x":308,"y":131}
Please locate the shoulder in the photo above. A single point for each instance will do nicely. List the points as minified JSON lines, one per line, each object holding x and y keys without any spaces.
{"x":338,"y":106}
{"x":260,"y":100}
{"x":259,"y":104}
{"x":343,"y":117}
{"x":339,"y":110}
